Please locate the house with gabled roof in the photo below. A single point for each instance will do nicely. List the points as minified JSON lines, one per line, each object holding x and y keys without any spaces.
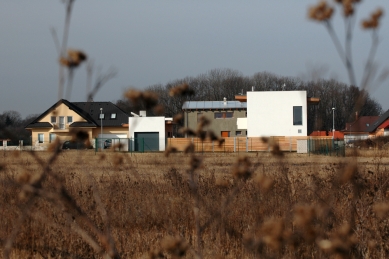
{"x":381,"y":126}
{"x":359,"y":129}
{"x":98,"y":119}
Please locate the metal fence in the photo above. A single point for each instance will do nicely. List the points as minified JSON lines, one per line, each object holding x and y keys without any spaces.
{"x":326,"y":146}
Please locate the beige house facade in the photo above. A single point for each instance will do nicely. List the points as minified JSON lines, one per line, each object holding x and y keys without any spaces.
{"x":65,"y":119}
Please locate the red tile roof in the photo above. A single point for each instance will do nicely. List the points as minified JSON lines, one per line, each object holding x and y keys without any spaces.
{"x":338,"y":134}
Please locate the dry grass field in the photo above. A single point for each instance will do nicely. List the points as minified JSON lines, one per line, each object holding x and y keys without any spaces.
{"x":78,"y":204}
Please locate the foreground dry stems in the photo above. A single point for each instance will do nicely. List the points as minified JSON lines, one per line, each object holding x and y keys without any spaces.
{"x":293,"y":207}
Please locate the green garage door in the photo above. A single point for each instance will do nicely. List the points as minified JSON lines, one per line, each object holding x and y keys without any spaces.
{"x":146,"y":141}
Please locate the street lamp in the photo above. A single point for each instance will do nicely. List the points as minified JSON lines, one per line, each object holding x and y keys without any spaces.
{"x":333,"y":122}
{"x":101,"y":124}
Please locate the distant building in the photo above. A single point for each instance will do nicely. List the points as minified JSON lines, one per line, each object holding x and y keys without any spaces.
{"x":222,"y":114}
{"x":259,"y":113}
{"x":359,"y":129}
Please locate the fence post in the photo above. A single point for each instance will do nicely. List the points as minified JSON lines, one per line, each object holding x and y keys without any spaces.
{"x":234,"y":144}
{"x":290,"y":144}
{"x":247,"y":144}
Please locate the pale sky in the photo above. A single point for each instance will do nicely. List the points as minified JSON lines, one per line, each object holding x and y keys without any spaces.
{"x":151,"y":42}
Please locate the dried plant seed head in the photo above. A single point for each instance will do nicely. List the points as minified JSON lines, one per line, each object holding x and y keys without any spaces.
{"x":150,"y":99}
{"x":195,"y":163}
{"x":276,"y":151}
{"x":264,"y":182}
{"x":187,"y":131}
{"x":381,"y":209}
{"x":221,"y":142}
{"x":178,"y":117}
{"x":272,"y":230}
{"x":241,"y":169}
{"x":159,"y":110}
{"x":201,"y":134}
{"x":133,"y":95}
{"x":203,"y":121}
{"x":156,"y":254}
{"x":170,"y":150}
{"x":55,"y":145}
{"x":321,"y":12}
{"x":373,"y":21}
{"x":176,"y":246}
{"x":348,"y":172}
{"x":181,"y":90}
{"x":24,"y":178}
{"x":211,"y":135}
{"x":79,"y":135}
{"x":304,"y":215}
{"x":189,"y":148}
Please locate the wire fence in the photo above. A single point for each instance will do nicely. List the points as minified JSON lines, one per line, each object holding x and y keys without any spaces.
{"x":310,"y":145}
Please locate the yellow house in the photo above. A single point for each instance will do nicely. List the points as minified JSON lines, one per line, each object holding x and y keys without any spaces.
{"x":98,"y":119}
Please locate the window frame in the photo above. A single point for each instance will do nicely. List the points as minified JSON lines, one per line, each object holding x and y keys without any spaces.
{"x":113,"y":116}
{"x":61,"y":125}
{"x":297,"y":115}
{"x":67,"y":119}
{"x":53,"y":121}
{"x":223,"y":115}
{"x":43,"y":138}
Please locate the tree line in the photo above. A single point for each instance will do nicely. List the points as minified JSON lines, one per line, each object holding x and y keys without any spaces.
{"x":12,"y":126}
{"x":219,"y":83}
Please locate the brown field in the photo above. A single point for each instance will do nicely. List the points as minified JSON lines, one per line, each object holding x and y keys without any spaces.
{"x":87,"y":205}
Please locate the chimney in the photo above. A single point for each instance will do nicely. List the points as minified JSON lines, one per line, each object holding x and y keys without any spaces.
{"x":225,"y":100}
{"x":252,"y":88}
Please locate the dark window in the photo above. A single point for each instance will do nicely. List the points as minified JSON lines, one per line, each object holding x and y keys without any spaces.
{"x":218,"y":115}
{"x":297,"y":115}
{"x":224,"y":115}
{"x":238,"y":133}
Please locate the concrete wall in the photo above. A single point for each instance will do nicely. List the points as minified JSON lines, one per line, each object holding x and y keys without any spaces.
{"x":148,"y":124}
{"x":271,"y":113}
{"x":217,"y":125}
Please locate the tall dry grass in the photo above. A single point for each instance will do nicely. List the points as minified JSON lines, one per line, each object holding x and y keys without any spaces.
{"x":265,"y":207}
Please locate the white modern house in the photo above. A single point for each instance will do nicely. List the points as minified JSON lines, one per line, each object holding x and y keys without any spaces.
{"x":146,"y":133}
{"x":275,"y":113}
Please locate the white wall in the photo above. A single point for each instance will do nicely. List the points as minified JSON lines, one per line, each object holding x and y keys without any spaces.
{"x":241,"y":123}
{"x":148,"y":124}
{"x":271,"y":113}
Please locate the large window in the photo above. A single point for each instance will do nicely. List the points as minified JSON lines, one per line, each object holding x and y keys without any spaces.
{"x":224,"y":115}
{"x":41,"y":137}
{"x":297,"y":115}
{"x":61,"y":122}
